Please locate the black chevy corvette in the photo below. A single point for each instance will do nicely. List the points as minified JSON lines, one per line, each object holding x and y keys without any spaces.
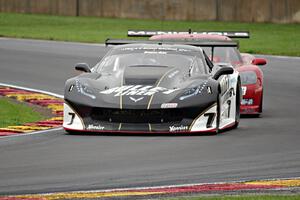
{"x":149,"y":87}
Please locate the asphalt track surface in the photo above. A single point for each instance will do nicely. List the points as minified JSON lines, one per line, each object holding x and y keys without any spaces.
{"x":266,"y":147}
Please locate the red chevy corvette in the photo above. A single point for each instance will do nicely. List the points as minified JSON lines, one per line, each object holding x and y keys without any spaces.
{"x":248,"y":66}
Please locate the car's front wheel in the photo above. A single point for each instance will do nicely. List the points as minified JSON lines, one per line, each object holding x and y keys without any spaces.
{"x":238,"y":104}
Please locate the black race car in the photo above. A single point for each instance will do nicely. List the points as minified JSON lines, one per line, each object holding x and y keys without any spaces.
{"x":152,"y":87}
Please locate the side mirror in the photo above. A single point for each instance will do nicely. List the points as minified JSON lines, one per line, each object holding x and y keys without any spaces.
{"x":83,"y":67}
{"x":259,"y":61}
{"x":222,"y":71}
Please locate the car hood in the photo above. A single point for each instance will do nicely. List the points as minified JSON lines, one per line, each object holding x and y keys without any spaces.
{"x":143,"y":88}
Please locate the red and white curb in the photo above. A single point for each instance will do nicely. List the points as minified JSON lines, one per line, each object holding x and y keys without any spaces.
{"x":41,"y":98}
{"x":261,"y":185}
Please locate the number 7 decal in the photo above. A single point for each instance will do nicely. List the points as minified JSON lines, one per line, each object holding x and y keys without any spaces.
{"x":211,"y":117}
{"x":72,"y":118}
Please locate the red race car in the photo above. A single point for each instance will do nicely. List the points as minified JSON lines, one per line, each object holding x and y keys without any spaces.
{"x":251,"y":75}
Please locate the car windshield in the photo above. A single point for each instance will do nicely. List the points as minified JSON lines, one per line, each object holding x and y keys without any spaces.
{"x":248,"y":77}
{"x":183,"y":59}
{"x":224,"y":54}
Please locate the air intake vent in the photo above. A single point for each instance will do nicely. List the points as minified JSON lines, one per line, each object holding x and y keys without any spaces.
{"x":136,"y":81}
{"x":137,"y":116}
{"x":149,"y":66}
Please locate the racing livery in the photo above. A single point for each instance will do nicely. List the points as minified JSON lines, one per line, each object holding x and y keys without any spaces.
{"x":247,"y":65}
{"x":150,"y":87}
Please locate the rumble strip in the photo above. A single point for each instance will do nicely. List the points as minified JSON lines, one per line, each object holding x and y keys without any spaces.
{"x":35,"y":97}
{"x":211,"y":188}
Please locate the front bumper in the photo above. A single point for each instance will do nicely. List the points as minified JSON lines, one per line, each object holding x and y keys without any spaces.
{"x":85,"y":120}
{"x":249,"y":109}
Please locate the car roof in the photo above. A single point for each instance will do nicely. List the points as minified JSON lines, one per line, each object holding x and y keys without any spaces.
{"x":169,"y":45}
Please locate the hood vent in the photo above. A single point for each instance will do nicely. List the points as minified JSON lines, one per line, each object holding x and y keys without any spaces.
{"x":138,"y":81}
{"x":149,"y":66}
{"x":142,"y":75}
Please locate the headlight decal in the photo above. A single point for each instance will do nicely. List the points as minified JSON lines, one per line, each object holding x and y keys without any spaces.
{"x":193,"y":91}
{"x":84,"y":89}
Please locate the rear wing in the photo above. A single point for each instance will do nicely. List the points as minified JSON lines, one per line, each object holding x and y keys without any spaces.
{"x":149,"y":33}
{"x":196,"y":43}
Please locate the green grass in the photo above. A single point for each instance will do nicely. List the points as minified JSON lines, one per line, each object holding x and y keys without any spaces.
{"x":266,"y":38}
{"x":16,"y":113}
{"x":252,"y":197}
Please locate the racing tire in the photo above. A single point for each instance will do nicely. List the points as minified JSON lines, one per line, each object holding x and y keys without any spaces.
{"x":218,"y":117}
{"x":260,"y":107}
{"x":69,"y":132}
{"x":261,"y":102}
{"x":238,"y":104}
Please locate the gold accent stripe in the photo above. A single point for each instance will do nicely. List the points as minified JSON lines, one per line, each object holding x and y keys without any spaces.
{"x":150,"y":128}
{"x":160,"y":80}
{"x":121,"y":100}
{"x":121,"y":96}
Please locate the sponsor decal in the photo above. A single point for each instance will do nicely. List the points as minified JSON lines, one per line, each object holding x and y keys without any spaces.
{"x":95,"y":127}
{"x":224,"y":83}
{"x":71,"y":88}
{"x":157,"y":49}
{"x":225,"y":33}
{"x":178,"y":128}
{"x":136,"y":100}
{"x":226,"y":111}
{"x":169,"y":105}
{"x":155,"y":52}
{"x":137,"y":90}
{"x":227,"y":95}
{"x":244,"y":90}
{"x":247,"y":102}
{"x":209,"y":90}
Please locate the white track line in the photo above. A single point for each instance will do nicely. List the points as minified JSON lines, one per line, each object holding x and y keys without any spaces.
{"x":32,"y":90}
{"x":49,"y":41}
